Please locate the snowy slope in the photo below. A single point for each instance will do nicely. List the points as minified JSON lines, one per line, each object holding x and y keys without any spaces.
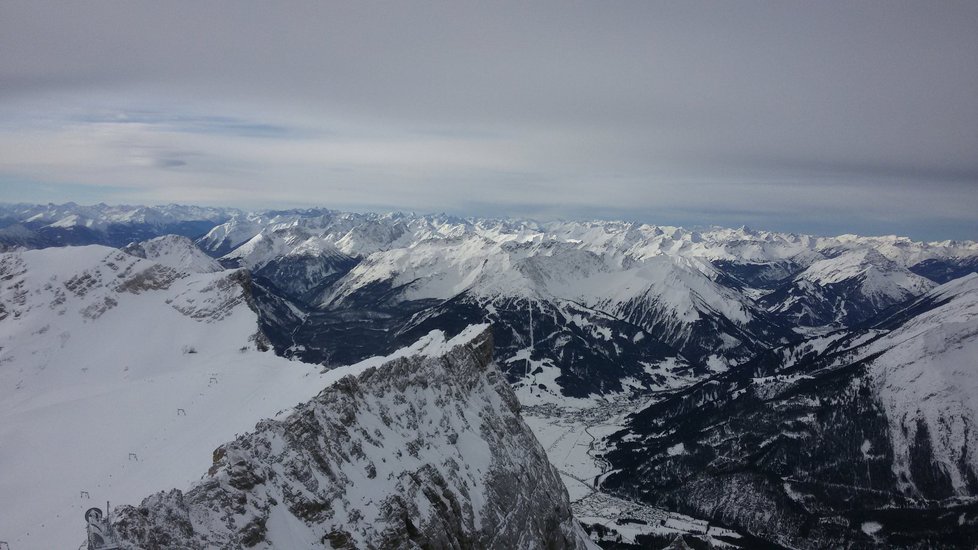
{"x":103,"y":354}
{"x":927,"y":378}
{"x":174,"y":251}
{"x":444,"y":268}
{"x":231,"y":234}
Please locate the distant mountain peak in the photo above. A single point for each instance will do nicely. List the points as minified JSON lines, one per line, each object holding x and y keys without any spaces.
{"x":174,"y":251}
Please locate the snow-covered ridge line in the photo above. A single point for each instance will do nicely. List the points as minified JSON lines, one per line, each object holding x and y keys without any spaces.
{"x":639,"y":270}
{"x":959,"y":286}
{"x":433,"y":344}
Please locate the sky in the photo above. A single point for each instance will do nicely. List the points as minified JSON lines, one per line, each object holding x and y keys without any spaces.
{"x":820,"y":117}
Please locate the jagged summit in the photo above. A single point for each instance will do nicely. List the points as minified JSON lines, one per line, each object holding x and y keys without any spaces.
{"x":426,"y":449}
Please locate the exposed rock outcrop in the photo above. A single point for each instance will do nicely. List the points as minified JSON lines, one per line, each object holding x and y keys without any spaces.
{"x":427,"y":450}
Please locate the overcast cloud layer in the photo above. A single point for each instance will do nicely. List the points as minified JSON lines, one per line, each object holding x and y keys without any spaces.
{"x":822,"y":117}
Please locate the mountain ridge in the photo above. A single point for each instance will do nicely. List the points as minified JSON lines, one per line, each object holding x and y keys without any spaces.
{"x":369,"y":463}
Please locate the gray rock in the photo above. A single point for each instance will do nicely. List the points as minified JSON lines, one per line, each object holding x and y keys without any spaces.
{"x":426,"y":451}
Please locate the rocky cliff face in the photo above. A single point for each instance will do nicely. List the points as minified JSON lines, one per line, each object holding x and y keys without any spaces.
{"x":426,"y":450}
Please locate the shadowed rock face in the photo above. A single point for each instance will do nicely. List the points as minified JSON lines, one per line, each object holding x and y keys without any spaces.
{"x":423,"y":451}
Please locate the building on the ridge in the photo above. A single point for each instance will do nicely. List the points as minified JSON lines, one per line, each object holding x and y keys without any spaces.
{"x":99,"y":530}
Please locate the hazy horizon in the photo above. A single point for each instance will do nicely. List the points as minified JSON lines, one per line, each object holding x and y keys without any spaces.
{"x":488,"y":216}
{"x":818,"y":118}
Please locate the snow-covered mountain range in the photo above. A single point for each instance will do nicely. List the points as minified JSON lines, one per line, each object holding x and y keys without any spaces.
{"x":70,"y":224}
{"x":845,"y":290}
{"x":713,"y":297}
{"x":823,"y":380}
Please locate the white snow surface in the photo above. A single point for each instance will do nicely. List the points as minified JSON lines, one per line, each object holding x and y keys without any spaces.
{"x":870,"y":527}
{"x":103,"y":354}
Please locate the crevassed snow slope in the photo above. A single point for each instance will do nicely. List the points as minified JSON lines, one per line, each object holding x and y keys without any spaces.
{"x":103,"y":354}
